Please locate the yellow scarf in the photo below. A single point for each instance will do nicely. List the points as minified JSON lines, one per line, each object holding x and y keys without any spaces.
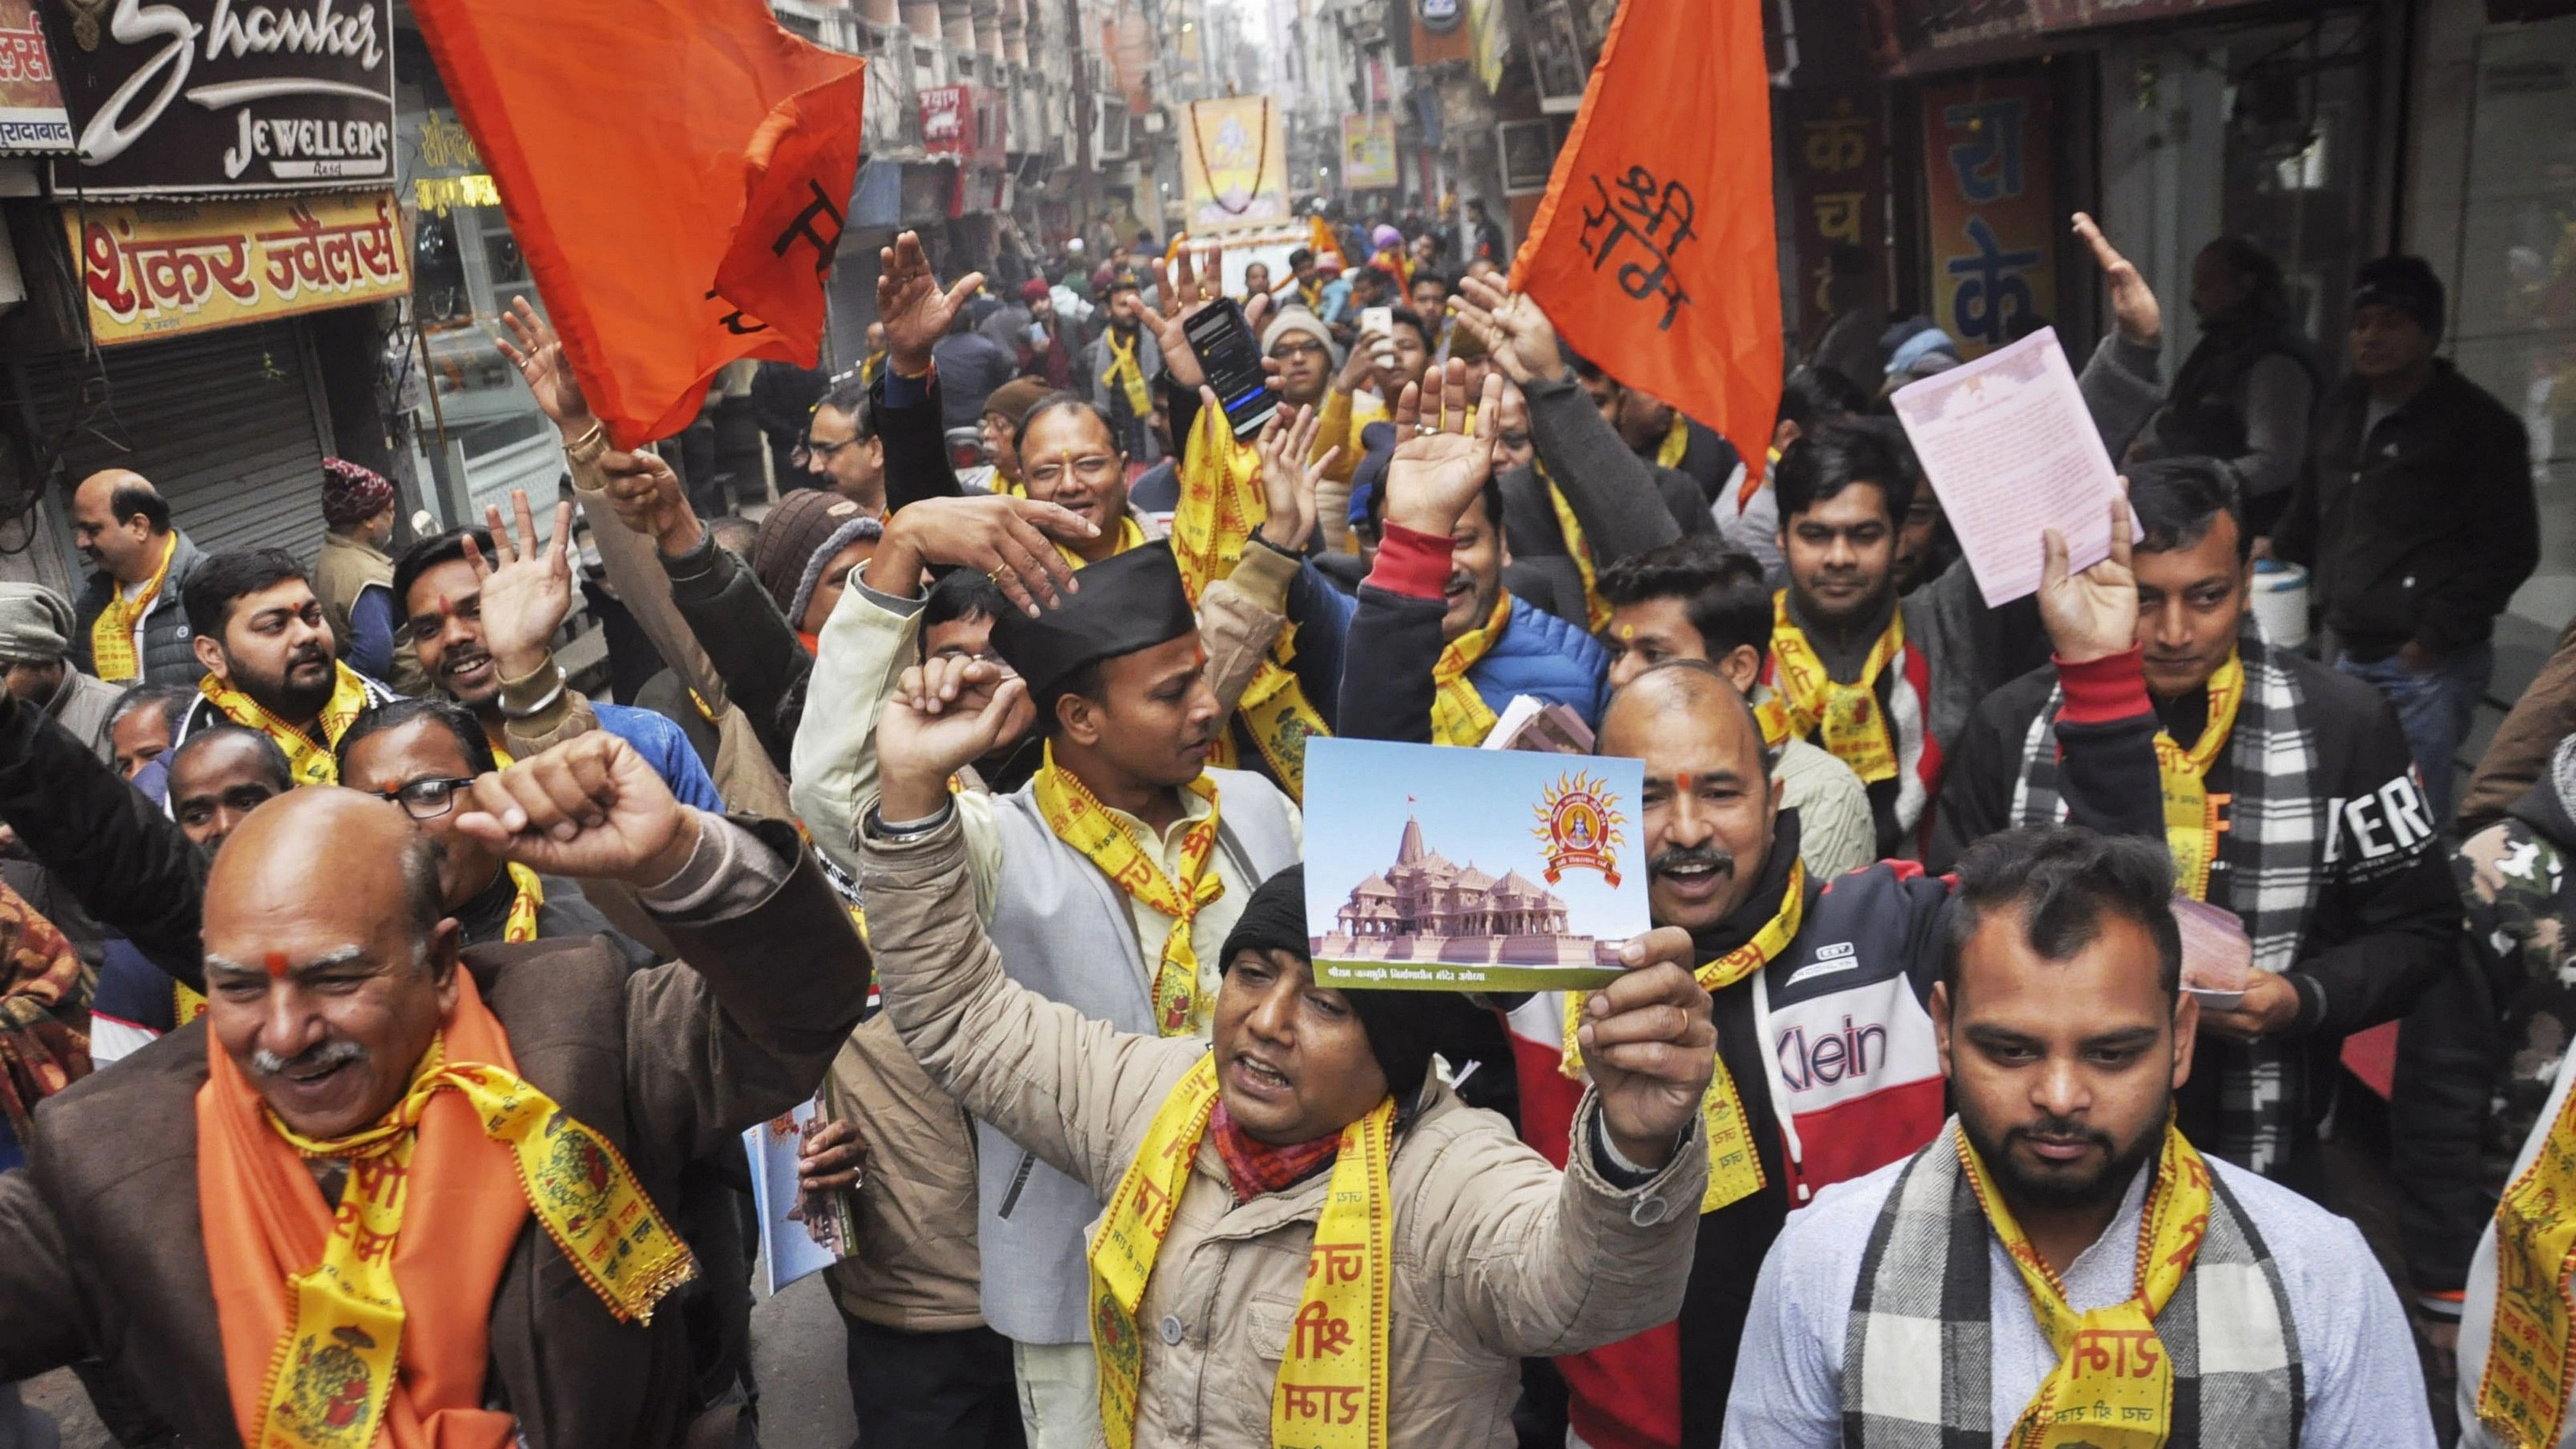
{"x":575,"y":1181}
{"x":1596,"y":609}
{"x":111,"y":634}
{"x":1676,"y":444}
{"x":187,"y":1004}
{"x":1079,"y":819}
{"x":2522,"y":1392}
{"x":1326,"y":1396}
{"x":1128,"y":374}
{"x":2113,"y":1384}
{"x":310,"y":763}
{"x":2191,"y":812}
{"x":1734,"y":1164}
{"x":1855,"y":728}
{"x":1221,"y":504}
{"x":1129,"y":536}
{"x":1459,"y":715}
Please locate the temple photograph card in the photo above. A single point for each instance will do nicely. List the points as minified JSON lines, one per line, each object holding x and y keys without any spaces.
{"x":1470,"y":870}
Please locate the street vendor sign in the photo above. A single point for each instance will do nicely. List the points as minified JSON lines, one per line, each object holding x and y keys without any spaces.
{"x":152,"y":269}
{"x":31,"y":109}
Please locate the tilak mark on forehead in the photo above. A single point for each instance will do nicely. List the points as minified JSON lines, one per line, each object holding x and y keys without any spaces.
{"x":275,"y":961}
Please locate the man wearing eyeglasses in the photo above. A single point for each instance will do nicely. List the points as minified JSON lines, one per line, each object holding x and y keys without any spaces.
{"x":842,"y":451}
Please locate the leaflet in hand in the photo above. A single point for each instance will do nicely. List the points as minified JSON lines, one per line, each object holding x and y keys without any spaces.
{"x":1436,"y":869}
{"x":2010,"y":449}
{"x":799,"y":1234}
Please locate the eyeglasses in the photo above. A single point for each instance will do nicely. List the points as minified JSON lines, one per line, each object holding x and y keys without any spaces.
{"x":1094,"y":469}
{"x":425,"y":799}
{"x":1296,"y":347}
{"x":825,"y":451}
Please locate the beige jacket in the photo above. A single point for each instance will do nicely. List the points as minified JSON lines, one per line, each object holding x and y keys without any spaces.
{"x":1498,"y":1256}
{"x":917,"y":1269}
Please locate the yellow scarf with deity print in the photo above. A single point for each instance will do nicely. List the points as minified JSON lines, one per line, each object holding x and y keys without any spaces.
{"x":1327,"y":1395}
{"x":1855,"y":728}
{"x":1127,"y":373}
{"x":111,"y":634}
{"x":2113,"y":1384}
{"x":1734,"y":1164}
{"x":2531,"y":1358}
{"x":310,"y":763}
{"x":1459,"y":715}
{"x":1079,"y":819}
{"x":2191,"y":812}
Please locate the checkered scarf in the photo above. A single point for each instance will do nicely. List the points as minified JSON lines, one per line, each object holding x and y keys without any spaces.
{"x":2275,"y":852}
{"x":1919,"y":1348}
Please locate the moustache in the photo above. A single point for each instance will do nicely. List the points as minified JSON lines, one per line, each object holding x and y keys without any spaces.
{"x":1663,"y":861}
{"x":2059,"y":1129}
{"x":309,"y":654}
{"x":333,"y":1053}
{"x":461,"y":660}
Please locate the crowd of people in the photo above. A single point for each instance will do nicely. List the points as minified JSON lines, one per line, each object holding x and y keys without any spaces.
{"x":968,"y":796}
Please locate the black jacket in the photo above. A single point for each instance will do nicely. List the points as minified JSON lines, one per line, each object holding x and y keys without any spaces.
{"x":2422,"y":530}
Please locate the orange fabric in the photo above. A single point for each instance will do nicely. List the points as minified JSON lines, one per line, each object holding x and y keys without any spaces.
{"x":677,"y":206}
{"x":265,"y":1219}
{"x":1655,"y":246}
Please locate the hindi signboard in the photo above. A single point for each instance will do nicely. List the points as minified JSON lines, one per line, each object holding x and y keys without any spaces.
{"x":1368,"y":152}
{"x":1840,"y":198}
{"x":1990,"y":208}
{"x":151,"y":269}
{"x":207,"y":97}
{"x":32,"y":117}
{"x":1234,"y":163}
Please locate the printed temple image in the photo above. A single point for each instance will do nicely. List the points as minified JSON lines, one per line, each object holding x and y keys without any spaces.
{"x":1425,"y":907}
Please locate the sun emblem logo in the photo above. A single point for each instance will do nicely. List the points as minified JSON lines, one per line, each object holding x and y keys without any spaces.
{"x":1579,"y":826}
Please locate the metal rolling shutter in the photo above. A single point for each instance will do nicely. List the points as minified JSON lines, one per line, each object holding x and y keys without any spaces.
{"x":222,"y":423}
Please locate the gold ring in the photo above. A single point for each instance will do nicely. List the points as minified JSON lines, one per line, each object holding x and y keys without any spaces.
{"x":997,"y":575}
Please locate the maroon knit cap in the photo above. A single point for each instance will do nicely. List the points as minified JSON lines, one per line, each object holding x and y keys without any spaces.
{"x":351,"y":494}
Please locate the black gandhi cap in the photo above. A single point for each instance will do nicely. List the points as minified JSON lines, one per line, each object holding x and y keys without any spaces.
{"x":1130,"y":602}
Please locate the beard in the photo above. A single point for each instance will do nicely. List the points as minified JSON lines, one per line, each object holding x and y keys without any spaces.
{"x":2074,"y":1187}
{"x":286,"y":695}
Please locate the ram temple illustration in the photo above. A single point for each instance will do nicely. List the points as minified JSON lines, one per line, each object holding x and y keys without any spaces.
{"x":1427,"y":908}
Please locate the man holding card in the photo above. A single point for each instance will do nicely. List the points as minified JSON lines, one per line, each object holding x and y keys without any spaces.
{"x":1826,"y":1063}
{"x":2289,"y":801}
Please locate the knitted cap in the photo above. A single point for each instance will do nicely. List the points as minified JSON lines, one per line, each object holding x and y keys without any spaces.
{"x":351,"y":494}
{"x":1298,"y":319}
{"x":1404,"y":1027}
{"x":1034,"y":289}
{"x":2405,"y":283}
{"x":35,"y":623}
{"x":802,"y":525}
{"x":1013,"y":399}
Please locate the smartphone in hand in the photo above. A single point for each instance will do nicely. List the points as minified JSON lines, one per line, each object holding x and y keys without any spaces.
{"x":1231,"y":356}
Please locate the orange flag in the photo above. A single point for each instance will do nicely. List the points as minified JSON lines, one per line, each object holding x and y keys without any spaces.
{"x":1653,"y":251}
{"x":675,"y":172}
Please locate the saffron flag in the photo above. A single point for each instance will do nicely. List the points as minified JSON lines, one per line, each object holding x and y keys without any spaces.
{"x":674,"y":171}
{"x":1654,"y":243}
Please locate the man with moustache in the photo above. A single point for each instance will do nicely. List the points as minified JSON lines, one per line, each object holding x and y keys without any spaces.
{"x":1118,"y":372}
{"x":2059,"y":1264}
{"x":1825,"y":1045}
{"x":270,"y":661}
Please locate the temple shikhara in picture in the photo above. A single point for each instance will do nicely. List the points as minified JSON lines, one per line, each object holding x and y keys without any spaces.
{"x":1426,"y":907}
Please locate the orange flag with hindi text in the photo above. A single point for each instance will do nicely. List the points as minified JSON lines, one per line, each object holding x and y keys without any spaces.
{"x":675,"y":173}
{"x":1653,"y":250}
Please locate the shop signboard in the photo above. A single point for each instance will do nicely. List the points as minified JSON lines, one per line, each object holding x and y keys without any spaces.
{"x":1836,"y":179}
{"x":1234,"y":163}
{"x":1930,"y":28}
{"x":32,"y":118}
{"x":1990,"y":208}
{"x":152,"y":269}
{"x":210,"y":97}
{"x":947,"y":121}
{"x":1368,"y":152}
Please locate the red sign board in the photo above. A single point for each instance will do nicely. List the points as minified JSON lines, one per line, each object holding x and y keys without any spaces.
{"x":948,"y":120}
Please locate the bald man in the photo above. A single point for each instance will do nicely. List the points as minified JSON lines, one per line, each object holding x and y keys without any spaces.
{"x":1825,"y":1043}
{"x":132,"y":627}
{"x":505,"y":1237}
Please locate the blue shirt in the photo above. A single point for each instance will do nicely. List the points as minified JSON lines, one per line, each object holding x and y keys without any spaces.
{"x":664,"y":748}
{"x":2357,"y":1354}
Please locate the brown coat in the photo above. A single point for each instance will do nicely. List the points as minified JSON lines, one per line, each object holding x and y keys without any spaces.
{"x":2520,"y":753}
{"x":1498,"y":1256}
{"x":917,"y":1269}
{"x":102,"y":1252}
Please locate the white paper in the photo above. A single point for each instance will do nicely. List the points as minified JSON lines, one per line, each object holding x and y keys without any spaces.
{"x":2011,"y":450}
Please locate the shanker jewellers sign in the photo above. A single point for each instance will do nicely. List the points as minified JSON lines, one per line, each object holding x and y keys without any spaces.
{"x":206,"y":97}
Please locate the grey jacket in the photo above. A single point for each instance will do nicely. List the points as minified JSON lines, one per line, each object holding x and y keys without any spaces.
{"x":169,"y":655}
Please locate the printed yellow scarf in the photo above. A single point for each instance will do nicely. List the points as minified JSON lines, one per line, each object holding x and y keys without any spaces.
{"x":1129,"y":536}
{"x":1734,"y":1164}
{"x":2522,"y":1392}
{"x":1221,"y":505}
{"x":1855,"y":728}
{"x":1327,"y":1396}
{"x":1459,"y":715}
{"x":1127,"y":373}
{"x":1079,"y":819}
{"x":1596,"y":609}
{"x":2113,"y":1384}
{"x":341,"y":1326}
{"x":310,"y":763}
{"x":111,"y":634}
{"x":2191,"y":812}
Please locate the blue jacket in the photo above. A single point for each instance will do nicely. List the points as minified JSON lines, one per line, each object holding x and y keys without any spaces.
{"x":1544,"y":655}
{"x":664,"y":748}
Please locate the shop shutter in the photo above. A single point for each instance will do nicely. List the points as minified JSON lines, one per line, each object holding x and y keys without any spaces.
{"x":221,"y":422}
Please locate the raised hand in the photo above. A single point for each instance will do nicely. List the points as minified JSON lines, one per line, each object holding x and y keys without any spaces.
{"x":1514,"y":329}
{"x":1650,"y":1047}
{"x":649,"y":499}
{"x":1439,"y":465}
{"x":2094,"y":614}
{"x":1184,"y":294}
{"x":2133,"y":302}
{"x":538,"y":354}
{"x":1008,"y":540}
{"x":526,"y":586}
{"x":915,"y":310}
{"x":943,"y":716}
{"x":1289,"y":473}
{"x":590,"y":807}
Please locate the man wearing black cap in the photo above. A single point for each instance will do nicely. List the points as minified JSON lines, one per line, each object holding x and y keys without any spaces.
{"x":2416,"y":513}
{"x":1109,"y":880}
